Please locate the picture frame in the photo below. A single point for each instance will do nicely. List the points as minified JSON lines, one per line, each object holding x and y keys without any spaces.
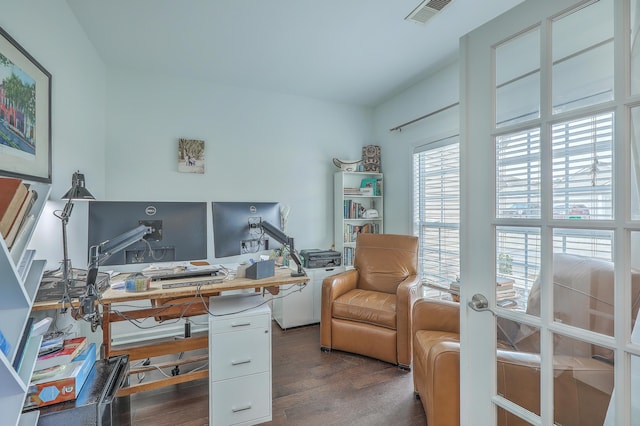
{"x":25,"y":113}
{"x":191,"y":156}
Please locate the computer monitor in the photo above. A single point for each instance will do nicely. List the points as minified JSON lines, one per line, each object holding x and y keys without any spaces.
{"x":233,"y":234}
{"x":180,"y":230}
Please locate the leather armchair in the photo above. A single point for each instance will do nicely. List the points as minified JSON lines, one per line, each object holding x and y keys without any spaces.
{"x":368,"y":310}
{"x":583,"y":373}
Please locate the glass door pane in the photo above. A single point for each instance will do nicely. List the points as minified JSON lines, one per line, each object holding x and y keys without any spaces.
{"x":583,"y":168}
{"x":582,"y":49}
{"x":518,"y":79}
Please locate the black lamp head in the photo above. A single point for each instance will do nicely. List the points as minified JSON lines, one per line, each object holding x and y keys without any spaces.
{"x":78,"y":190}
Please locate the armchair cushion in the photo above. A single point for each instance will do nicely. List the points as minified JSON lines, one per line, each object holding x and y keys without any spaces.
{"x":371,"y":307}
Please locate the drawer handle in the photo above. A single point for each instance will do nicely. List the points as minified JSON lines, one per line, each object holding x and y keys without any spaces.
{"x":241,"y":408}
{"x":242,"y":324}
{"x":244,"y":361}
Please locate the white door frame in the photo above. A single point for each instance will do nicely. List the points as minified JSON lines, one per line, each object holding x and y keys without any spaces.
{"x":478,"y":355}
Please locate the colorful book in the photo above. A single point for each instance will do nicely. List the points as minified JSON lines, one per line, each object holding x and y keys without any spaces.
{"x":70,"y":349}
{"x":12,"y":194}
{"x":5,"y":347}
{"x":61,"y":383}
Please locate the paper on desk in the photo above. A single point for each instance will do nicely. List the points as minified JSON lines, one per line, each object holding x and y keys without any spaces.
{"x":117,"y":284}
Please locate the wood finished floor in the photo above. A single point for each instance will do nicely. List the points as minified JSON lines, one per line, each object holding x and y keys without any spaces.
{"x":310,"y":387}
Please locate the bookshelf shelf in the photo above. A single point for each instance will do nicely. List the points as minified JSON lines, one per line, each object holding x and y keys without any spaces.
{"x":354,"y":194}
{"x":20,"y":276}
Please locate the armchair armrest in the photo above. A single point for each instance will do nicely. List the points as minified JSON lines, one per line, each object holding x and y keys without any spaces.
{"x":333,"y":287}
{"x":440,"y":315}
{"x":406,"y":295}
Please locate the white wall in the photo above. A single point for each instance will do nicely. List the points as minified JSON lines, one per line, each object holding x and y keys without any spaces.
{"x":259,"y":146}
{"x":49,"y":31}
{"x":434,"y":92}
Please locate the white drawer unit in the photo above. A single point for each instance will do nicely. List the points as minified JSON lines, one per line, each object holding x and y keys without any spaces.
{"x":294,"y":307}
{"x":239,"y":360}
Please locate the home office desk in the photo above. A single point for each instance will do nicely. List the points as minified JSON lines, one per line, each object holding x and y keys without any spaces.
{"x":168,"y":304}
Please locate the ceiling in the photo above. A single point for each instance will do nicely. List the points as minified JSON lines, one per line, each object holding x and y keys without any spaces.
{"x":357,"y":52}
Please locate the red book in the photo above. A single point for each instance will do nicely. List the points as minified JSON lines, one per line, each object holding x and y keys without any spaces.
{"x":71,"y":349}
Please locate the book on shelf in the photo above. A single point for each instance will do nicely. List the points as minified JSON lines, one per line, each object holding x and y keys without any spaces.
{"x":70,"y":349}
{"x":352,"y":191}
{"x":62,"y":382}
{"x":503,"y":282}
{"x":12,"y":193}
{"x":371,"y":183}
{"x":504,"y":288}
{"x":22,"y":345}
{"x":506,"y":295}
{"x":18,"y":221}
{"x":351,"y":231}
{"x":5,"y":346}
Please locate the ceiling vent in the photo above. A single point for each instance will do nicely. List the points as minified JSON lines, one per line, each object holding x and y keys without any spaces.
{"x":426,"y":10}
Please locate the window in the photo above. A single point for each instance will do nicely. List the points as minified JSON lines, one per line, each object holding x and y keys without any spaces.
{"x":436,"y":210}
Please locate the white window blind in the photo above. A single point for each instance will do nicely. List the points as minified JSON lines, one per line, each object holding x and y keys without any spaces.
{"x":436,"y":210}
{"x":582,"y":168}
{"x":518,"y":174}
{"x":582,"y":182}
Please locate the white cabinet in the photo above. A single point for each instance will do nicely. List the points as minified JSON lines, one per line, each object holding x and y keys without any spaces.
{"x":300,"y":305}
{"x":239,"y":360}
{"x":358,"y":207}
{"x":19,"y":278}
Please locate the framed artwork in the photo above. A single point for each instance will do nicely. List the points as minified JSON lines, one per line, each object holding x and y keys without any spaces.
{"x":191,"y":156}
{"x":25,"y":113}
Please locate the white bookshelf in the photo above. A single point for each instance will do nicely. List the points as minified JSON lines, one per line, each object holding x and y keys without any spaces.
{"x":16,"y":300}
{"x":347,"y":203}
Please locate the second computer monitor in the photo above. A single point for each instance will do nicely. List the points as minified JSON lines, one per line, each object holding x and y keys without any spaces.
{"x":233,"y":233}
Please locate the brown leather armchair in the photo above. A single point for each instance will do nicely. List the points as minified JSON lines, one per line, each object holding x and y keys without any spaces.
{"x":367,"y":310}
{"x":583,"y":373}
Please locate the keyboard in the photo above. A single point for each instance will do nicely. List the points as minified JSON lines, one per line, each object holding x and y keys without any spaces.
{"x":184,"y":274}
{"x":189,"y":283}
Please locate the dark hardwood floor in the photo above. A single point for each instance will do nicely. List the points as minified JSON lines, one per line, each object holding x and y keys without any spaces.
{"x":310,"y":387}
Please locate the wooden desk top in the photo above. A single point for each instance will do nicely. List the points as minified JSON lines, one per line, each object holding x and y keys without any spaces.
{"x":281,"y":277}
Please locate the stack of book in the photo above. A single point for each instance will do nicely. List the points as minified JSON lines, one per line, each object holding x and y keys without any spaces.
{"x":61,"y":382}
{"x":504,"y":288}
{"x":16,"y":200}
{"x":352,"y":191}
{"x":60,"y":375}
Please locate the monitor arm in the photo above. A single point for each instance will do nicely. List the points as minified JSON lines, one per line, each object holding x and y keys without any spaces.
{"x":97,"y":255}
{"x":283,"y":239}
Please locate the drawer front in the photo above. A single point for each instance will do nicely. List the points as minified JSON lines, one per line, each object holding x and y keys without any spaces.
{"x":239,"y":354}
{"x":238,"y":323}
{"x":243,"y":400}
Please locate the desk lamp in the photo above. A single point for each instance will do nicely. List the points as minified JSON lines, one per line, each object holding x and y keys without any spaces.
{"x":77,"y":192}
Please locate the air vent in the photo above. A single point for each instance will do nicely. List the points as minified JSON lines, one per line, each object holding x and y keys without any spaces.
{"x":426,"y":10}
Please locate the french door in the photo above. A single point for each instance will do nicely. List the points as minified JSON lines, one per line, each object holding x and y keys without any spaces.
{"x":549,"y":158}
